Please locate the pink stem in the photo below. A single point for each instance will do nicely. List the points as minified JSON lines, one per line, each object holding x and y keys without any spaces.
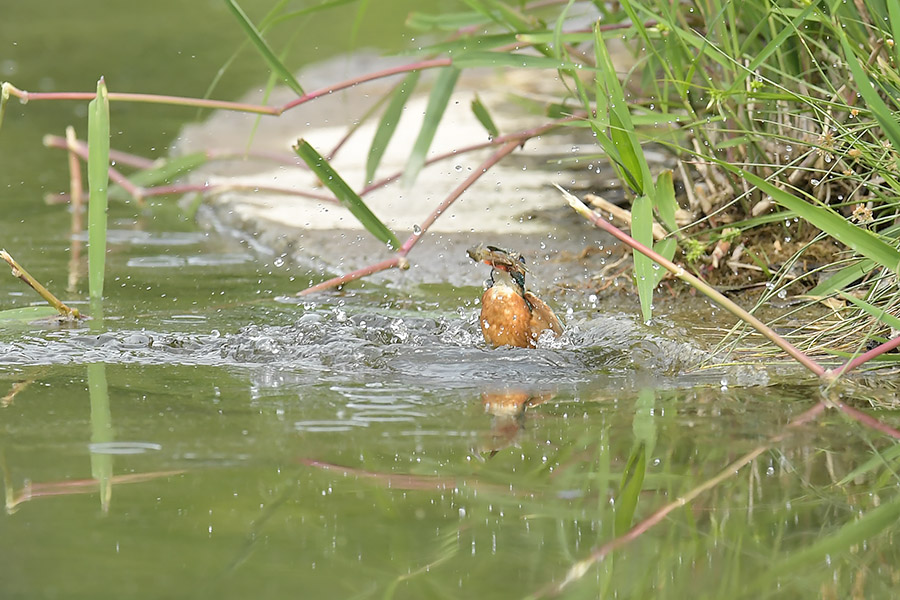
{"x":416,"y":66}
{"x":865,"y":357}
{"x":867,"y":420}
{"x":493,"y":159}
{"x":390,"y":263}
{"x":26,"y":96}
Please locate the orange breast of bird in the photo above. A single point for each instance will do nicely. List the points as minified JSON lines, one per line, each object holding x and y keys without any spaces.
{"x":507,"y":320}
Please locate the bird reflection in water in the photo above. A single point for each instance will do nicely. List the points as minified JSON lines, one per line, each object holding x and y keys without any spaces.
{"x":507,"y":408}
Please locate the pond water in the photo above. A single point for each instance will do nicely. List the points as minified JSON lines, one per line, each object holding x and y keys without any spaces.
{"x":210,"y":435}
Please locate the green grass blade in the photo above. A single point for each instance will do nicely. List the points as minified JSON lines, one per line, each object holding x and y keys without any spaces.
{"x":873,"y":311}
{"x":344,"y":193}
{"x":358,"y":21}
{"x":880,"y":459}
{"x":167,"y":170}
{"x":643,"y":426}
{"x":642,"y":231}
{"x":484,"y":117}
{"x":630,"y":488}
{"x":437,"y":104}
{"x":98,"y":184}
{"x":853,"y":533}
{"x":664,"y":202}
{"x":101,"y":431}
{"x":860,"y":240}
{"x":611,"y":101}
{"x":388,"y":124}
{"x":774,"y":44}
{"x":28,"y":313}
{"x":559,"y":50}
{"x":256,"y":38}
{"x":667,"y":248}
{"x":868,"y":91}
{"x":842,"y":278}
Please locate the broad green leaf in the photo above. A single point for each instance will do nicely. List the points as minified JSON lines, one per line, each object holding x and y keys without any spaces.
{"x":344,"y":193}
{"x":388,"y":123}
{"x":263,"y":47}
{"x":860,"y":240}
{"x":437,"y":104}
{"x":866,"y":88}
{"x":484,"y":117}
{"x":98,"y":184}
{"x":842,"y":278}
{"x":28,"y":313}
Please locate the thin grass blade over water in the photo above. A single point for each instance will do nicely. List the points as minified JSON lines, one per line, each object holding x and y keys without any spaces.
{"x":345,"y":194}
{"x":434,"y":112}
{"x":256,"y":38}
{"x":388,"y":123}
{"x":484,"y":117}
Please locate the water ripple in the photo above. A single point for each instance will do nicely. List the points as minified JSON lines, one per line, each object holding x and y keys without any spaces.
{"x":374,"y":347}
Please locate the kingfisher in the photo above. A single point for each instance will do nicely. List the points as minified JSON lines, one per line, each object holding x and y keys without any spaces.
{"x":510,"y":315}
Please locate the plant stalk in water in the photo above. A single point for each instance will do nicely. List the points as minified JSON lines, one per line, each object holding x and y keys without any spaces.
{"x":21,"y":273}
{"x":98,"y":182}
